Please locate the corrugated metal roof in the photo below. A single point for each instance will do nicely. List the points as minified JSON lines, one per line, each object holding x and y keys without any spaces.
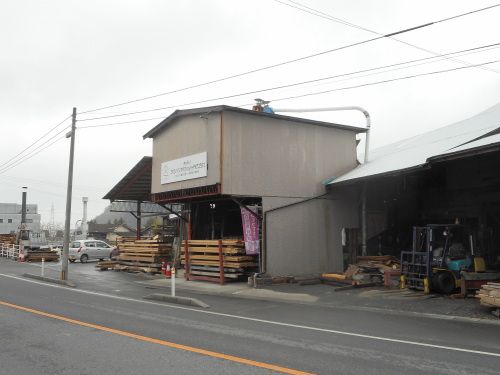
{"x":136,"y":185}
{"x":475,"y":132}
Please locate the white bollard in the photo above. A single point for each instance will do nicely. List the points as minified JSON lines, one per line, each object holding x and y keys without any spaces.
{"x":43,"y":265}
{"x":173,"y":282}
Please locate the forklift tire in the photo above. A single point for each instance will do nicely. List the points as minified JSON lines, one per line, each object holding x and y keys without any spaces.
{"x":444,"y":282}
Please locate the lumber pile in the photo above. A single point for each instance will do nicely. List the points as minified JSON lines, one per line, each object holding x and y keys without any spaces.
{"x":367,"y":271}
{"x":107,"y":264}
{"x":142,"y":255}
{"x":203,"y":260}
{"x":39,"y":255}
{"x":8,"y":239}
{"x":490,"y":297}
{"x":380,"y":263}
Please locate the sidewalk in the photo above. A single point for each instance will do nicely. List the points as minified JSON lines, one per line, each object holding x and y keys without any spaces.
{"x":374,"y":299}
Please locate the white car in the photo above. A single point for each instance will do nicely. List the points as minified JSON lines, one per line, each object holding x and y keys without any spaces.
{"x":83,"y":250}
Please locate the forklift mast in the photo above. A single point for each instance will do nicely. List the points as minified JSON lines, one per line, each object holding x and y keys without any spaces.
{"x":439,"y":254}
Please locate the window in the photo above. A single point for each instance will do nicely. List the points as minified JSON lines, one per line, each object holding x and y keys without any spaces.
{"x":1,"y":220}
{"x":10,"y":220}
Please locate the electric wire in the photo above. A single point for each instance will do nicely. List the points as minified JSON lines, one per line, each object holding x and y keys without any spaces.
{"x":284,"y":63}
{"x":309,"y":94}
{"x":120,"y":123}
{"x":38,"y":140}
{"x":283,"y":86}
{"x":390,"y":36}
{"x":387,"y":81}
{"x":31,"y":153}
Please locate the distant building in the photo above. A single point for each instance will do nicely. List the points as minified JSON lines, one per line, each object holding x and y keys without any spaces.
{"x":109,"y":232}
{"x":10,"y":217}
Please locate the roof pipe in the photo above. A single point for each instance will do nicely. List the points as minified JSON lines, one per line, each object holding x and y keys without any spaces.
{"x":367,"y":145}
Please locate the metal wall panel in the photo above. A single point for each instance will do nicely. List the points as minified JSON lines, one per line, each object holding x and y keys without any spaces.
{"x":307,"y":238}
{"x":300,"y":238}
{"x":282,"y":158}
{"x":187,"y":136}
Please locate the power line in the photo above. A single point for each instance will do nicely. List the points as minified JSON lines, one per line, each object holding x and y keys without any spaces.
{"x":387,"y":81}
{"x":281,"y":87}
{"x":318,"y":13}
{"x":310,"y":94}
{"x":31,"y":153}
{"x":467,"y":14}
{"x":38,"y":140}
{"x":120,"y":123}
{"x":284,"y":63}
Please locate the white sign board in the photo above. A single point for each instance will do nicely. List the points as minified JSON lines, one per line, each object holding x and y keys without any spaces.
{"x":193,"y":166}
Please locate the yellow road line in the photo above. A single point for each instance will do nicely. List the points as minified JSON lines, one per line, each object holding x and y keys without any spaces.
{"x":162,"y":342}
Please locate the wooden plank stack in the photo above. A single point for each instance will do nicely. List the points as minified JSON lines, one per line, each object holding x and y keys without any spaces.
{"x":8,"y":239}
{"x":381,"y":263}
{"x":46,"y":255}
{"x":142,"y":255}
{"x":106,"y":264}
{"x":203,"y":260}
{"x":490,"y":297}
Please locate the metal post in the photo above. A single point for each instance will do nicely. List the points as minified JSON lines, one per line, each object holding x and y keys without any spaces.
{"x":363,"y":221}
{"x":65,"y":252}
{"x":221,"y":264}
{"x":186,"y":259}
{"x":173,"y":282}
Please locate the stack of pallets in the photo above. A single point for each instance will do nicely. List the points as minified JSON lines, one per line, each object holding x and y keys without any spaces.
{"x":490,"y":297}
{"x":216,"y":260}
{"x":143,"y":255}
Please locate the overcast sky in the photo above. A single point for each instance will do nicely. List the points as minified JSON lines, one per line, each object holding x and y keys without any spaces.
{"x":56,"y":55}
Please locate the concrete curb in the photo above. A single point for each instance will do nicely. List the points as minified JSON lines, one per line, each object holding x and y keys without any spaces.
{"x":175,"y":299}
{"x":50,"y":280}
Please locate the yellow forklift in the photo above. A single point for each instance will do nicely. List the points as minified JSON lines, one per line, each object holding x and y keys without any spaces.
{"x":440,"y":254}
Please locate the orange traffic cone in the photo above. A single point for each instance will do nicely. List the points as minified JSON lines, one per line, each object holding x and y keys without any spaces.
{"x":168,"y":271}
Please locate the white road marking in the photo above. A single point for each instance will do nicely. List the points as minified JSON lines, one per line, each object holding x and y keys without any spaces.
{"x":344,"y":333}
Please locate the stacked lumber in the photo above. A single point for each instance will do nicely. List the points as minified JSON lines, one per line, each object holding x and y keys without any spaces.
{"x":490,"y":297}
{"x":8,"y":239}
{"x":106,"y":264}
{"x":367,"y":271}
{"x":39,"y":255}
{"x":204,"y":259}
{"x":142,"y":255}
{"x":381,"y":263}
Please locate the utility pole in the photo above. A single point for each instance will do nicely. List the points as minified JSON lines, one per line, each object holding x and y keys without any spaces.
{"x":67,"y":227}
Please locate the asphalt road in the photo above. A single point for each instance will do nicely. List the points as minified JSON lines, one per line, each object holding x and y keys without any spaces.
{"x":91,"y":332}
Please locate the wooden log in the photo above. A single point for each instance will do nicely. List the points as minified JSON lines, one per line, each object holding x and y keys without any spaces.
{"x":334,"y":276}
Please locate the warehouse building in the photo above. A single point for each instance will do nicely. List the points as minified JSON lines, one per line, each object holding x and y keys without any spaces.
{"x":445,"y":176}
{"x":220,"y":162}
